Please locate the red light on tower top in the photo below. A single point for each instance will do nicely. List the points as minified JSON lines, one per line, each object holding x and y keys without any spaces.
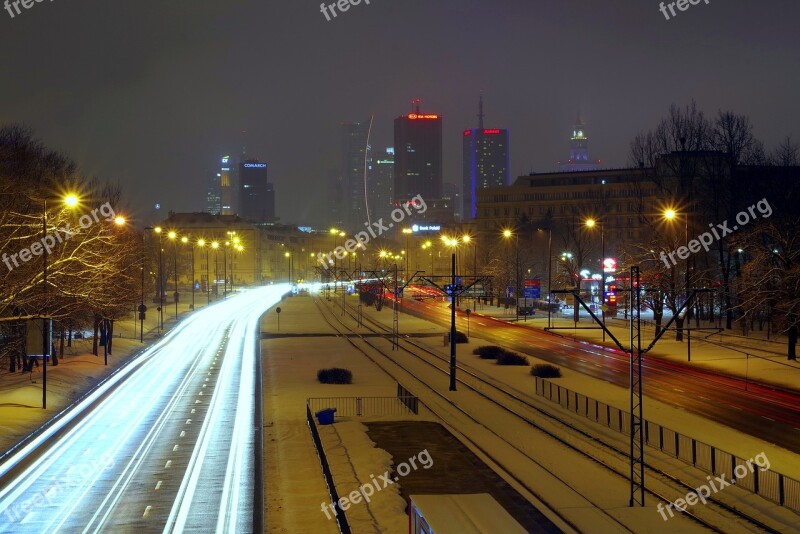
{"x":467,"y":132}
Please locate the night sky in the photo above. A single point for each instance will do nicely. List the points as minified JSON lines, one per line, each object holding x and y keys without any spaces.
{"x":150,"y":93}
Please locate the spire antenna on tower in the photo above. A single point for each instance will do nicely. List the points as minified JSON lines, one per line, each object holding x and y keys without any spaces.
{"x":480,"y":112}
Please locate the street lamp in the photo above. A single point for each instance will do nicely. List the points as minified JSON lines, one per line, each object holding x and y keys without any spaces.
{"x":670,"y":215}
{"x":407,"y":232}
{"x":158,"y":231}
{"x":173,"y":236}
{"x":591,"y":223}
{"x":202,"y":243}
{"x":215,"y":246}
{"x":70,"y":201}
{"x":289,"y":256}
{"x":185,"y":240}
{"x":507,"y":234}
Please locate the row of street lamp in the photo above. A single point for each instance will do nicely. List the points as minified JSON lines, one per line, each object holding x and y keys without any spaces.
{"x":233,"y":241}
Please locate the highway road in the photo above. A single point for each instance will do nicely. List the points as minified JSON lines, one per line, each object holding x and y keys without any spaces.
{"x":767,"y":413}
{"x":166,"y":445}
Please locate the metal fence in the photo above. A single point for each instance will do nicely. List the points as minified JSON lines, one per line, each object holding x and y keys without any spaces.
{"x":344,"y":526}
{"x":769,"y":484}
{"x":364,"y":406}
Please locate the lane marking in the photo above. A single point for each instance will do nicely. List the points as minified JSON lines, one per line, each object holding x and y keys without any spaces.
{"x":175,"y":448}
{"x":158,"y":485}
{"x":193,"y":410}
{"x":183,"y":433}
{"x":146,"y":511}
{"x":679,"y":390}
{"x":169,"y":463}
{"x":188,"y":421}
{"x":768,"y":418}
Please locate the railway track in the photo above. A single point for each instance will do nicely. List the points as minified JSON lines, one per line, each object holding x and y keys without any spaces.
{"x":512,"y":401}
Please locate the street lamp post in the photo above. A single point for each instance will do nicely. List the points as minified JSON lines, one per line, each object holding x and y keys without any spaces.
{"x":202,"y":243}
{"x":549,"y":273}
{"x":407,"y":232}
{"x":288,"y":255}
{"x":141,"y":306}
{"x":185,"y":240}
{"x":591,"y":223}
{"x":71,"y":201}
{"x":215,"y":246}
{"x":670,"y":215}
{"x":507,"y":234}
{"x":158,"y":231}
{"x":173,"y":236}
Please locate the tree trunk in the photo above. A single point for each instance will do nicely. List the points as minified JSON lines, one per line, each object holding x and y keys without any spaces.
{"x":61,"y":348}
{"x":792,"y":342}
{"x":96,"y":334}
{"x":679,"y":327}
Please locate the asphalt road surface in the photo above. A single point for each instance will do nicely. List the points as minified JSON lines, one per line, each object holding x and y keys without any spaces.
{"x":767,"y":413}
{"x":167,"y":445}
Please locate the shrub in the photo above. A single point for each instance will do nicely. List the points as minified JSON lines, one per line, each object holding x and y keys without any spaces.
{"x":461,"y":337}
{"x":489,"y":352}
{"x":512,"y":358}
{"x":545,"y":370}
{"x":335,"y":375}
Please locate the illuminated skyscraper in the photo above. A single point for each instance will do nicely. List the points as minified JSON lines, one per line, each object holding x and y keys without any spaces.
{"x":256,"y":194}
{"x":381,"y":185}
{"x":579,"y":151}
{"x":418,"y":156}
{"x":226,"y":187}
{"x":214,"y":194}
{"x":355,"y":156}
{"x":485,"y":164}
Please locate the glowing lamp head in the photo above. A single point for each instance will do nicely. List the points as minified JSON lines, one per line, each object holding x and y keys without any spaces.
{"x":119,"y":220}
{"x":670,"y":214}
{"x":157,"y":229}
{"x":201,"y":242}
{"x":172,"y":235}
{"x":590,"y":223}
{"x":184,"y":239}
{"x":71,"y":200}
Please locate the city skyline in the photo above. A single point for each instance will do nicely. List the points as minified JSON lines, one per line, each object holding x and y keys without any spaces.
{"x":182,"y":105}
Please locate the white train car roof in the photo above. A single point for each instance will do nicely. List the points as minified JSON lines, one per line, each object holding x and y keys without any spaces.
{"x":474,"y":513}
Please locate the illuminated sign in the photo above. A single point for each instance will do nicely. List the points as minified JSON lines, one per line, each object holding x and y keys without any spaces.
{"x":467,"y":132}
{"x":415,"y":116}
{"x":491,"y":132}
{"x":609,"y":265}
{"x":426,"y":228}
{"x":255,"y":165}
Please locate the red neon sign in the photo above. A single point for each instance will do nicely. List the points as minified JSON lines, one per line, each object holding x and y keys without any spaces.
{"x":415,"y":116}
{"x":491,"y":132}
{"x":467,"y":132}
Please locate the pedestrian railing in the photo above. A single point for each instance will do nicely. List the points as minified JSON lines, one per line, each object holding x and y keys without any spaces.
{"x":364,"y":406}
{"x":769,"y":484}
{"x":341,"y":518}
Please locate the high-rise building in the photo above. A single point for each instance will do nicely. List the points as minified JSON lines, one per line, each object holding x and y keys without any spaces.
{"x":485,"y":164}
{"x":355,"y":166}
{"x":214,"y":194}
{"x":579,"y":151}
{"x":256,"y":194}
{"x":381,"y":186}
{"x":226,"y":187}
{"x":451,"y":194}
{"x":418,"y":156}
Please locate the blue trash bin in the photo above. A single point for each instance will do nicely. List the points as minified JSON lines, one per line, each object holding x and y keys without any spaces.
{"x":325,"y":417}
